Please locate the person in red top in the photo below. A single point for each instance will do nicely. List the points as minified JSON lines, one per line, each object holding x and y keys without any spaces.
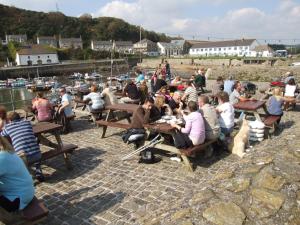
{"x":43,"y":107}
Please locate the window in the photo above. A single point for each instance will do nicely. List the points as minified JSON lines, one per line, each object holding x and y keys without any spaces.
{"x":206,"y":49}
{"x":235,"y":48}
{"x":28,"y":57}
{"x":29,"y":62}
{"x":229,"y":48}
{"x":215,"y":49}
{"x":210,"y":49}
{"x":241,"y":48}
{"x":246,"y":47}
{"x":224,"y":49}
{"x":40,"y":62}
{"x":39,"y":57}
{"x":48,"y":60}
{"x":48,"y":57}
{"x":220,"y":49}
{"x":201,"y":49}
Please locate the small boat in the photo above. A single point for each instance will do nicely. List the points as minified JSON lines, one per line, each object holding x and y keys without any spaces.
{"x":76,"y":76}
{"x":93,"y":76}
{"x":3,"y":83}
{"x":39,"y":85}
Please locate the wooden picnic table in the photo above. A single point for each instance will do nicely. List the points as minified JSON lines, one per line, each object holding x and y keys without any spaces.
{"x":42,"y":128}
{"x":130,"y":108}
{"x":252,"y":107}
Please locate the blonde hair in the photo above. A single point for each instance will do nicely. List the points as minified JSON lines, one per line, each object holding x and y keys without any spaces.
{"x":5,"y":146}
{"x":277,"y":91}
{"x":159,"y":101}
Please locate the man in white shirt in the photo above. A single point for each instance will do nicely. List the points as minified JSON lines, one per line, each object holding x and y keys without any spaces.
{"x":235,"y":96}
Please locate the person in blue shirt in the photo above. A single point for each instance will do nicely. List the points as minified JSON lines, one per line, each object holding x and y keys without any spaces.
{"x":140,"y":76}
{"x":16,"y":185}
{"x":228,"y":85}
{"x":24,"y":141}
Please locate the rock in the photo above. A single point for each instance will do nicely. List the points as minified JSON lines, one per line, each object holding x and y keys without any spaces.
{"x":266,"y":180}
{"x":224,"y":213}
{"x":202,"y":197}
{"x":264,"y":160}
{"x":223,"y":175}
{"x":187,"y":222}
{"x":238,"y":184}
{"x":252,"y":169}
{"x":181,"y":214}
{"x":265,"y":203}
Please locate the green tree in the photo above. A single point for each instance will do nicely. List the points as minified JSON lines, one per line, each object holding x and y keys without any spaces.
{"x":12,"y":50}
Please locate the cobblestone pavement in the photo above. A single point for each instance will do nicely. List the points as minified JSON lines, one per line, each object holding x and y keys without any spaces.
{"x":261,"y":188}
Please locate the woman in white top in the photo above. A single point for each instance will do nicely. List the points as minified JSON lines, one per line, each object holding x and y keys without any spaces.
{"x":95,"y":98}
{"x":289,"y":93}
{"x":226,"y":114}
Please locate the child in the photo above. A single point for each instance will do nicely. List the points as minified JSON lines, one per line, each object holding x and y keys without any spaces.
{"x":275,"y":103}
{"x":226,"y":114}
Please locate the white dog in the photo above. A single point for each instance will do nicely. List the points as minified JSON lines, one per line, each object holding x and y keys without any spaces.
{"x":241,"y":140}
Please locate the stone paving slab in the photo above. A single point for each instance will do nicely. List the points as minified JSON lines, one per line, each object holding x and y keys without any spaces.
{"x":263,"y":186}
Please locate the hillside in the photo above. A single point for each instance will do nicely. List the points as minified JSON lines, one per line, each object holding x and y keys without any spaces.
{"x":19,"y":21}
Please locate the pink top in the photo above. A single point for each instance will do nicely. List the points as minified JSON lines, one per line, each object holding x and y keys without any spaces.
{"x":194,"y":127}
{"x":44,"y":107}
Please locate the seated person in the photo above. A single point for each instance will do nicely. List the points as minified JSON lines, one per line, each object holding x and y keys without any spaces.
{"x":143,"y":89}
{"x":217,"y":86}
{"x":176,"y":104}
{"x":226,"y":114}
{"x":3,"y":117}
{"x":130,"y":92}
{"x":212,"y":125}
{"x":200,"y":80}
{"x":140,"y":76}
{"x":65,"y":111}
{"x":275,"y":103}
{"x":289,"y":75}
{"x":228,"y":85}
{"x":290,"y":92}
{"x":235,"y":96}
{"x":194,"y":125}
{"x":16,"y":188}
{"x":190,"y":93}
{"x":95,"y":98}
{"x":160,"y":108}
{"x":158,"y":83}
{"x":109,"y":96}
{"x":163,"y":91}
{"x":43,"y":107}
{"x":24,"y":141}
{"x":177,"y":80}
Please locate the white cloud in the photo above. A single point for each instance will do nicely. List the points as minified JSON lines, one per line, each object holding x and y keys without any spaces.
{"x":168,"y":16}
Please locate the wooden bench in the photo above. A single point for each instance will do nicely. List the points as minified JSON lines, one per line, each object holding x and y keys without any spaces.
{"x":105,"y":124}
{"x":34,"y":213}
{"x":191,"y":152}
{"x":66,"y":149}
{"x":271,"y":124}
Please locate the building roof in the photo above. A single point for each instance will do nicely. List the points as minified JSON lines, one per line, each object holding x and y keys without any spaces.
{"x":123,"y":43}
{"x":46,"y":38}
{"x":192,"y":42}
{"x":36,"y":50}
{"x":168,"y":45}
{"x":145,"y":41}
{"x":102,"y":42}
{"x":16,"y":35}
{"x":216,"y":44}
{"x":178,"y":42}
{"x":261,"y":48}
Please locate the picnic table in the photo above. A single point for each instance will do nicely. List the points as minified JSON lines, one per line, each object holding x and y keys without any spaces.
{"x":42,"y":128}
{"x":251,"y":107}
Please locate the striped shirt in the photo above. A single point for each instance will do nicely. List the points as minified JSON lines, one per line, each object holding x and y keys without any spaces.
{"x":192,"y":94}
{"x":22,"y":137}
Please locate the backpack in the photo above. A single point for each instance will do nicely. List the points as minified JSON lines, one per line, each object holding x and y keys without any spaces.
{"x":147,"y":156}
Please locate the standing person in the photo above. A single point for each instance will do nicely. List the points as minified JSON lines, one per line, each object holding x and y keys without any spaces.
{"x":65,"y":111}
{"x":3,"y":117}
{"x":190,"y":93}
{"x":226,"y":114}
{"x":228,"y":85}
{"x":109,"y":96}
{"x":212,"y":125}
{"x":24,"y":141}
{"x":194,"y":125}
{"x":16,"y":187}
{"x":96,"y":99}
{"x":143,"y":90}
{"x":44,"y":108}
{"x":168,"y":70}
{"x":130,"y":93}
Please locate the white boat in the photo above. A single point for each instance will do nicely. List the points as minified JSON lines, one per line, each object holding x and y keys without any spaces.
{"x":76,"y":76}
{"x":93,"y":76}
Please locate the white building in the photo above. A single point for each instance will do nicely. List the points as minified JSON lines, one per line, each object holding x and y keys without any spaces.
{"x":243,"y":47}
{"x":36,"y":55}
{"x":169,"y":49}
{"x":21,"y":38}
{"x":264,"y":51}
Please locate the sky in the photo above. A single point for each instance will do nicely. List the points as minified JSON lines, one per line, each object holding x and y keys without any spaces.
{"x":272,"y":21}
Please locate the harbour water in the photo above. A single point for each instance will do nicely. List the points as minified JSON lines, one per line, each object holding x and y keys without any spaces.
{"x":15,"y":98}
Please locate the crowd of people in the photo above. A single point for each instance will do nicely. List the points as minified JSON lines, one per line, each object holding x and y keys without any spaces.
{"x":202,"y":121}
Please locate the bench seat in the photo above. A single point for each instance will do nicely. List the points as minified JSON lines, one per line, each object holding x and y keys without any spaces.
{"x":35,"y":211}
{"x":270,"y":120}
{"x":105,"y":124}
{"x":191,"y":151}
